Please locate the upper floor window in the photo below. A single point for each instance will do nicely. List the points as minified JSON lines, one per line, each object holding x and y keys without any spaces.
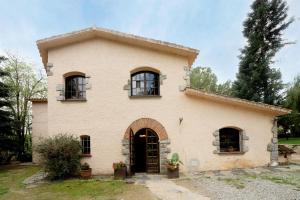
{"x":229,"y":140}
{"x":75,"y":87}
{"x":85,"y":144}
{"x":145,"y":83}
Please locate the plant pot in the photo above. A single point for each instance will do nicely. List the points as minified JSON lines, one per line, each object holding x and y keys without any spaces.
{"x":86,"y":173}
{"x":173,"y":172}
{"x":120,"y":173}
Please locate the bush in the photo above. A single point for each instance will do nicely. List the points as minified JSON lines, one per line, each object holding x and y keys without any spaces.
{"x":60,"y":156}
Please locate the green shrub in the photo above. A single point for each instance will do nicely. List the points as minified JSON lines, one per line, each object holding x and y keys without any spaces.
{"x":60,"y":155}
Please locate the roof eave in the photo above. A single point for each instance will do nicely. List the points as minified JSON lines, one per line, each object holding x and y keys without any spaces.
{"x":64,"y":39}
{"x":274,"y":110}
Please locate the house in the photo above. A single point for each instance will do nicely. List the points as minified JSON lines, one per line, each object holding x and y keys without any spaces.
{"x":128,"y":98}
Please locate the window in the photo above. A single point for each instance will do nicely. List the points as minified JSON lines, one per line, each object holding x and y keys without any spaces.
{"x":229,"y":140}
{"x":75,"y":87}
{"x":86,"y":144}
{"x":145,"y":83}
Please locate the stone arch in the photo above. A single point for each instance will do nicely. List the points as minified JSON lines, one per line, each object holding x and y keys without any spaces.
{"x":147,"y":123}
{"x":158,"y":128}
{"x":73,"y":73}
{"x":144,"y":68}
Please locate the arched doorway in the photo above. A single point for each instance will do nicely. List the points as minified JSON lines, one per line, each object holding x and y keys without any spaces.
{"x":148,"y":128}
{"x":145,"y":151}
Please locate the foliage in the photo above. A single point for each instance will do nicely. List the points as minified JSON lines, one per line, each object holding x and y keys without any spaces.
{"x":118,"y":165}
{"x":291,"y":140}
{"x":60,"y":155}
{"x":174,"y":162}
{"x":23,"y":84}
{"x":291,"y":123}
{"x":7,"y":136}
{"x":263,"y":28}
{"x":12,"y":188}
{"x":204,"y":79}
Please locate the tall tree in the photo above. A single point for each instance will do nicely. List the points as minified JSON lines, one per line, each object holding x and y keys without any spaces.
{"x":256,"y":79}
{"x":23,"y":84}
{"x":6,"y":130}
{"x":292,"y":121}
{"x":204,"y":79}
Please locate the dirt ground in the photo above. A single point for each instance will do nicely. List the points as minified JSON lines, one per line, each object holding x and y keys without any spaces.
{"x":137,"y":192}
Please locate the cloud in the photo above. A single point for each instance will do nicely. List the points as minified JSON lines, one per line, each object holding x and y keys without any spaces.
{"x":213,"y":27}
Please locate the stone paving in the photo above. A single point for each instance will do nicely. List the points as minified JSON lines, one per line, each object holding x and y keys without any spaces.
{"x":35,"y":179}
{"x":166,"y":189}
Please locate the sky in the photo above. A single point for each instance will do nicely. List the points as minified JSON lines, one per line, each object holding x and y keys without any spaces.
{"x":212,"y":26}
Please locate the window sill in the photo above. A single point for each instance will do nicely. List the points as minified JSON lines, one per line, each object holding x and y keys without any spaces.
{"x":74,"y":100}
{"x":144,"y":96}
{"x":231,"y":153}
{"x":86,"y":155}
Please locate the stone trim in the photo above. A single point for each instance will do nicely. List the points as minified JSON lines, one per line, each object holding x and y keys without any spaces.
{"x":243,"y":138}
{"x":147,"y":123}
{"x":162,"y":77}
{"x":164,"y":142}
{"x":61,"y":88}
{"x":273,"y":145}
{"x":48,"y":69}
{"x":186,"y":79}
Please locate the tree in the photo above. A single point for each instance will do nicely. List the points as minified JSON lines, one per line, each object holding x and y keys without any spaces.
{"x":256,"y":79}
{"x":204,"y":79}
{"x":6,"y":130}
{"x":292,"y":101}
{"x":23,"y":85}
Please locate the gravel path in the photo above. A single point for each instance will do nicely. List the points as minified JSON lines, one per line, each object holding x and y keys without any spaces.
{"x":259,"y":183}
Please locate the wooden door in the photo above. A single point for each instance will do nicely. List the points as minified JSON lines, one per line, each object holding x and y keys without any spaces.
{"x":152,"y":152}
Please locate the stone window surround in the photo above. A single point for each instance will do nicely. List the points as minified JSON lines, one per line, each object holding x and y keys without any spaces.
{"x":161,"y":77}
{"x":164,"y":141}
{"x":243,"y":138}
{"x":61,"y":87}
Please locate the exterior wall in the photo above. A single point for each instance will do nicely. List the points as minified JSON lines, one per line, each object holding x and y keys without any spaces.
{"x":39,"y":126}
{"x":108,"y":111}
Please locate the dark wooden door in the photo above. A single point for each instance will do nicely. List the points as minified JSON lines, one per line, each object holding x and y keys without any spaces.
{"x":131,"y":153}
{"x":152,"y":152}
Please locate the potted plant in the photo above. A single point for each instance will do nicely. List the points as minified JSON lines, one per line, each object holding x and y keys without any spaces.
{"x":173,"y":166}
{"x":85,"y":171}
{"x":120,"y":170}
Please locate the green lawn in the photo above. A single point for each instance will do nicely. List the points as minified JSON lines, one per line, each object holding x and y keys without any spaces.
{"x":289,"y":141}
{"x":11,"y":187}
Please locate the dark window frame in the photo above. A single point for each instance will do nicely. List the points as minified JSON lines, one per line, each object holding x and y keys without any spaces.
{"x":75,"y":87}
{"x":143,"y":79}
{"x":230,"y":140}
{"x":86,"y":145}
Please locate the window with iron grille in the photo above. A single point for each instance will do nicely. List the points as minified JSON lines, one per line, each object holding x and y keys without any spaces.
{"x":75,"y":87}
{"x":86,"y":144}
{"x":145,"y":83}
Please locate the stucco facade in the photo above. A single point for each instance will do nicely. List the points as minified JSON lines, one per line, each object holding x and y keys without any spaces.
{"x":189,"y":121}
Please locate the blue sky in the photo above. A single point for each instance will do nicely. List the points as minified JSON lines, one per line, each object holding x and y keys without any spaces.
{"x":212,"y":26}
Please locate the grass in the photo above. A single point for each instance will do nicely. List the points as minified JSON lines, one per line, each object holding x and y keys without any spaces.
{"x":282,"y":180}
{"x":237,"y":183}
{"x":289,"y":141}
{"x":11,"y":187}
